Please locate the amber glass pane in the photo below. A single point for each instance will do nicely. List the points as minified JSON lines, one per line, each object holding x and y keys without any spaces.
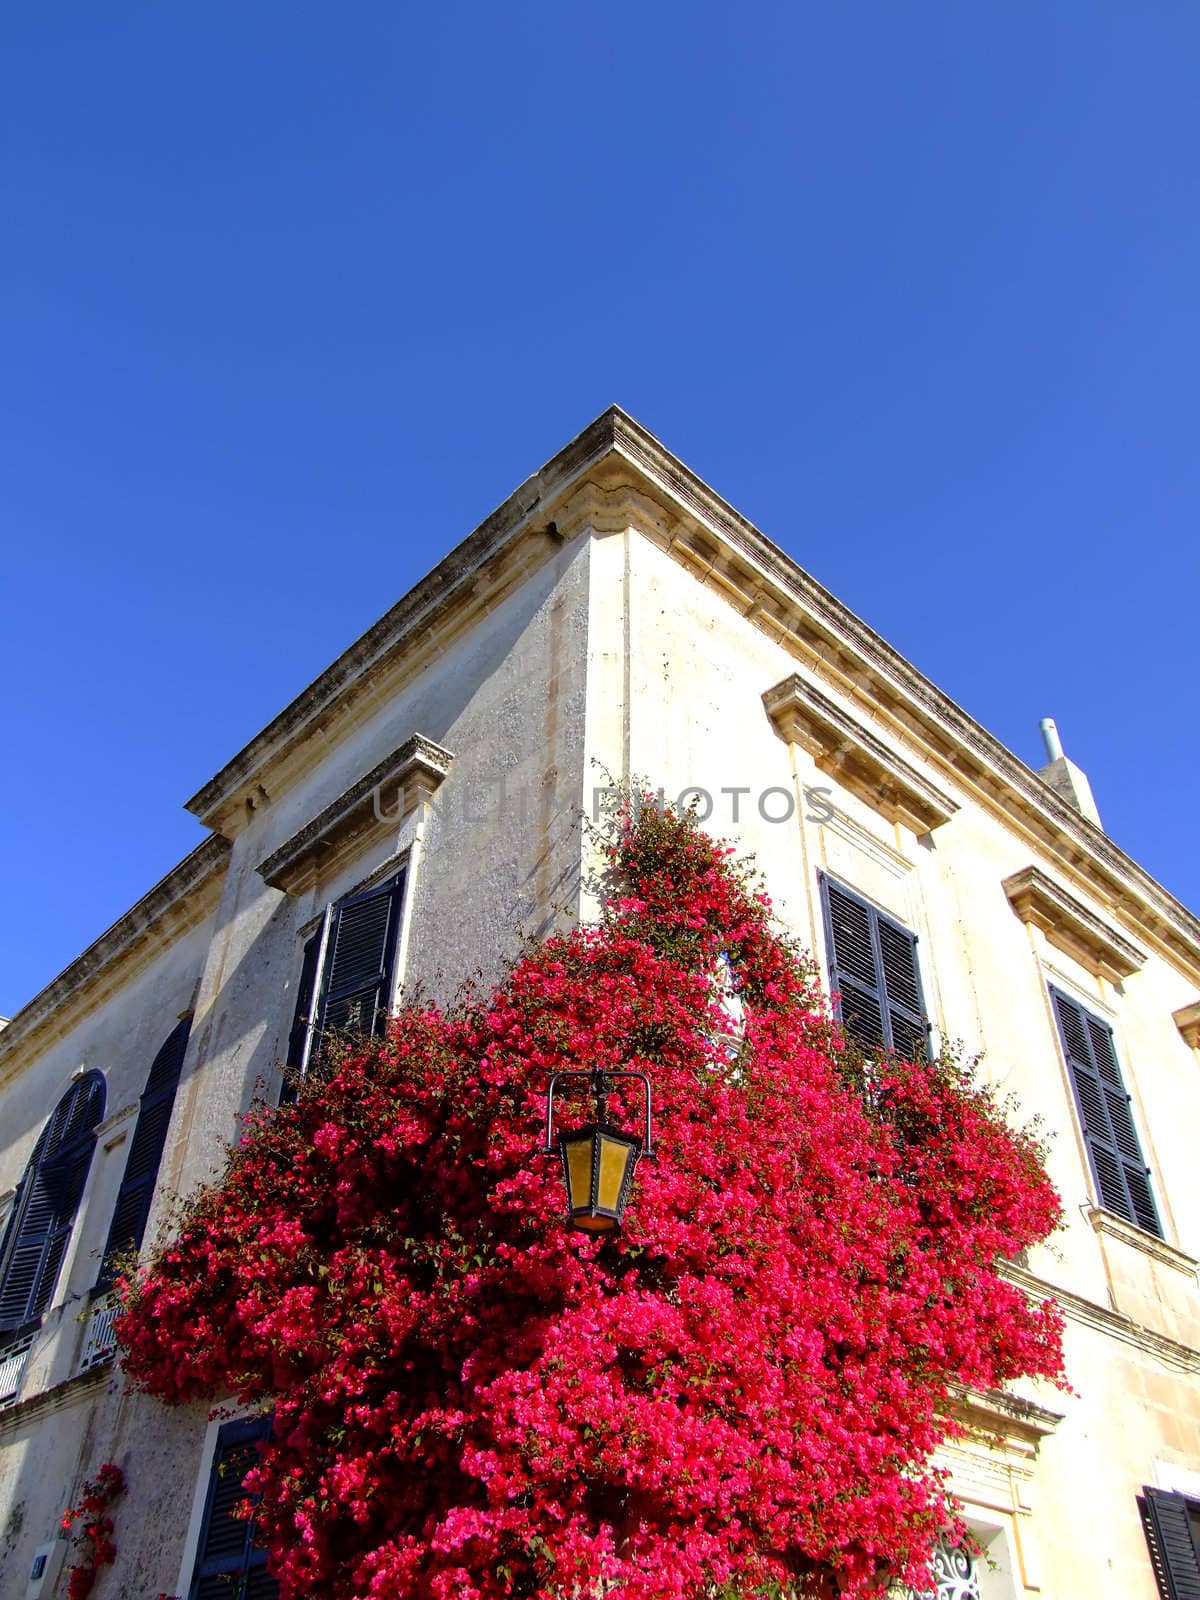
{"x":579,"y":1172}
{"x":614,"y":1158}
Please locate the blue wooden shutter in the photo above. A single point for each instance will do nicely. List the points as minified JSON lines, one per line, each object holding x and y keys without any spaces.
{"x":1172,"y":1527}
{"x":873,"y":967}
{"x":43,"y":1213}
{"x":1118,"y":1167}
{"x":346,"y":976}
{"x":136,"y":1193}
{"x":229,"y":1564}
{"x":361,"y":950}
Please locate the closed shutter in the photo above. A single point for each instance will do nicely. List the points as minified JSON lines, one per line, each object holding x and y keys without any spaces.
{"x":136,"y":1193}
{"x":229,"y":1564}
{"x":1171,"y":1525}
{"x":43,"y":1215}
{"x":873,"y":968}
{"x":25,"y":1247}
{"x":358,"y":961}
{"x":1118,"y":1167}
{"x":346,"y":975}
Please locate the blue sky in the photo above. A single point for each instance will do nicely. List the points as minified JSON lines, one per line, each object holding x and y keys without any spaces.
{"x":292,"y":295}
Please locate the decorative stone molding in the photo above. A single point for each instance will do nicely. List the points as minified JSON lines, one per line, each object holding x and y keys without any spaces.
{"x":1070,"y":926}
{"x":1173,"y":1353}
{"x":16,"y":1418}
{"x":1015,"y":1423}
{"x":1107,"y":1222}
{"x":853,"y":755}
{"x":601,"y":510}
{"x":865,"y":843}
{"x":380,"y":799}
{"x":1187,"y":1020}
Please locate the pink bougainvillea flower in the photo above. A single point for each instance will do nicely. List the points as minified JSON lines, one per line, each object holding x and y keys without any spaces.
{"x":740,"y":1392}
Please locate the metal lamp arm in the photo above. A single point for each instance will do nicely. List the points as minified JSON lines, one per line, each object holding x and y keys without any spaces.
{"x":591,"y":1077}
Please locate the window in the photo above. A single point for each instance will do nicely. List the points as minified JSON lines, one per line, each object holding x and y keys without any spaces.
{"x":43,"y":1213}
{"x":1172,"y":1527}
{"x":954,"y":1572}
{"x":145,"y":1152}
{"x":1121,"y":1176}
{"x":726,"y":984}
{"x":229,"y":1564}
{"x":346,"y":978}
{"x":873,"y":968}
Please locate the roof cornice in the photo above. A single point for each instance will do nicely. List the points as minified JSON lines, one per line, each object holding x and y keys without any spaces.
{"x":420,"y":609}
{"x":720,"y":547}
{"x":756,"y":577}
{"x":175,"y":904}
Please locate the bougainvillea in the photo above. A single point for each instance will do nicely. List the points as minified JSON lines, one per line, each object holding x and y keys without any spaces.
{"x":94,"y":1541}
{"x":739,"y":1393}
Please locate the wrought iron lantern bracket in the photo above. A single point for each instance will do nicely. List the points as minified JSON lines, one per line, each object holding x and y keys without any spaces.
{"x":601,"y":1089}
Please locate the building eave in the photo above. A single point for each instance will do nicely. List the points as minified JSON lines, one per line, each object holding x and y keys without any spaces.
{"x":756,"y":576}
{"x":723,"y":549}
{"x":453,"y":575}
{"x":174,"y":905}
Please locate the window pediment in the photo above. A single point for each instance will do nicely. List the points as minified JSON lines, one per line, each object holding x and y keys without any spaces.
{"x":849,"y":752}
{"x":1069,"y":925}
{"x":1187,"y":1020}
{"x":379,"y":799}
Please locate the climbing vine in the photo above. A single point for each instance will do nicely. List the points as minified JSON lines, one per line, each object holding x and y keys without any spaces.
{"x":93,"y":1541}
{"x":740,"y":1393}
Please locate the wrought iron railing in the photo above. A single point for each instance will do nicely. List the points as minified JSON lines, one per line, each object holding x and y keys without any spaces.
{"x":12,"y":1367}
{"x":954,"y":1576}
{"x":99,"y":1340}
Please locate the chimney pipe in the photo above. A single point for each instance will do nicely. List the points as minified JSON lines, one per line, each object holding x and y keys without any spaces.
{"x":1064,"y":777}
{"x":1051,"y":740}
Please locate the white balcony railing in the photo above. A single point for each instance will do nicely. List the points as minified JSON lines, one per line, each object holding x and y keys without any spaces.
{"x":12,"y":1365}
{"x":99,"y":1340}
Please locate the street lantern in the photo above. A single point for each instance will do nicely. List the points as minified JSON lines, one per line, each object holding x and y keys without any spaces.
{"x":599,"y":1159}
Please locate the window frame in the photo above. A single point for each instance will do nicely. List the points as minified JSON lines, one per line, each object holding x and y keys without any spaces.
{"x":314,"y":996}
{"x":66,"y":1159}
{"x":877,"y":991}
{"x":1090,"y":1111}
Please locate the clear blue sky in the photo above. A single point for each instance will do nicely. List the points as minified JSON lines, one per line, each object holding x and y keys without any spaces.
{"x":292,"y":295}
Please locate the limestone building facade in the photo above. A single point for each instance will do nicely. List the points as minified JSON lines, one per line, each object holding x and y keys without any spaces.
{"x":420,"y":801}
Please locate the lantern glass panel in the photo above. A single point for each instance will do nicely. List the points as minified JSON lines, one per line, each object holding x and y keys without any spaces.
{"x":615,"y":1156}
{"x":577,"y":1151}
